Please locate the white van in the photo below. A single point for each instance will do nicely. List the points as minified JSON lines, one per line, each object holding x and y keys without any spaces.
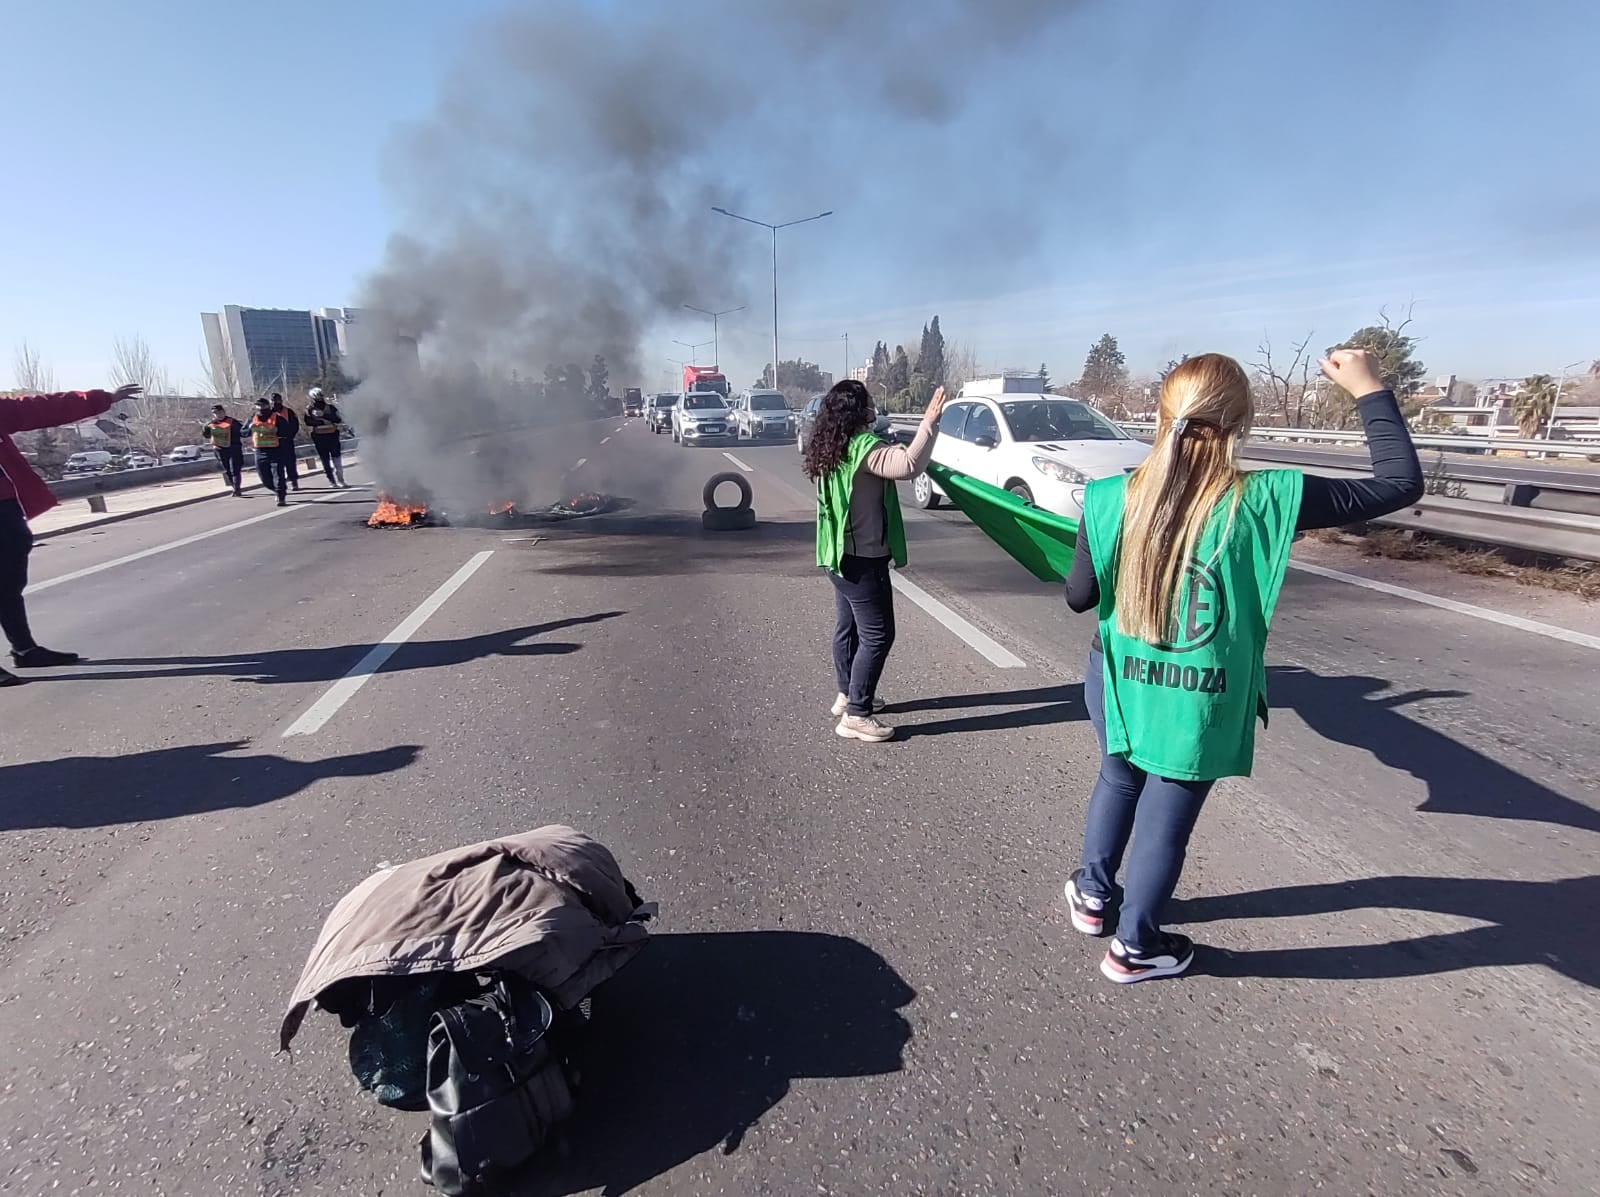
{"x":185,"y":453}
{"x":90,"y":461}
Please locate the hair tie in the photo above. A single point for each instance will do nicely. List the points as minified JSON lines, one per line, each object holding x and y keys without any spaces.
{"x":1179,"y":427}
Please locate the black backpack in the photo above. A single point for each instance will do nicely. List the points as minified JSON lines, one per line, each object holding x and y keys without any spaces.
{"x":497,"y":1086}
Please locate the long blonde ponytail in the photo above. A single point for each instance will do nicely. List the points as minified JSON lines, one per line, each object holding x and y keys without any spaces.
{"x":1194,"y":464}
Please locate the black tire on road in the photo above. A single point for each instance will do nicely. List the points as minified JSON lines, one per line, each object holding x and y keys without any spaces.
{"x":709,"y":495}
{"x":1023,"y":491}
{"x":728,"y":519}
{"x":922,"y":492}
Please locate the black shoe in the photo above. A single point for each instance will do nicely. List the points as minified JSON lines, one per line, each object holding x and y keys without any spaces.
{"x":11,"y":679}
{"x":282,"y":502}
{"x":238,"y":494}
{"x":1088,"y":914}
{"x":43,"y":658}
{"x":1124,"y":966}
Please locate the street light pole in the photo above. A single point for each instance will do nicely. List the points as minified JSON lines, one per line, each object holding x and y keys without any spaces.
{"x":716,"y":345}
{"x":774,"y":228}
{"x":1556,"y":402}
{"x":694,"y":348}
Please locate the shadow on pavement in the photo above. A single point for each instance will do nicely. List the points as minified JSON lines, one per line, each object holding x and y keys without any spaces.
{"x":702,"y":1035}
{"x":1460,"y":779}
{"x":167,"y":783}
{"x":1042,"y":706}
{"x":1530,"y":922}
{"x":286,"y":665}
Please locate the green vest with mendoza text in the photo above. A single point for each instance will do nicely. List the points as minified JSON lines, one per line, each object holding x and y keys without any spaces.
{"x":833,"y":506}
{"x":1187,"y":710}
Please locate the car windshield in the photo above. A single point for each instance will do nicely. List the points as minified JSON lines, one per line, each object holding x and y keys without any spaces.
{"x":666,"y":400}
{"x":768,"y":403}
{"x":702,"y":401}
{"x":1036,"y":420}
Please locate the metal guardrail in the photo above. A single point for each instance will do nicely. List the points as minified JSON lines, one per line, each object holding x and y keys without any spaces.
{"x":1483,"y":446}
{"x":82,"y":485}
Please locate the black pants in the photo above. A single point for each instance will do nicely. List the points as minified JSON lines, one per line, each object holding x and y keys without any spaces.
{"x":273,"y":472}
{"x":16,"y":542}
{"x":863,"y":631}
{"x":291,"y":463}
{"x":332,"y":455}
{"x":232,"y":463}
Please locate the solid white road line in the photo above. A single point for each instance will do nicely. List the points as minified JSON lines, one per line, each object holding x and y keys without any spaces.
{"x":1445,"y":604}
{"x":737,"y":462}
{"x":343,"y":690}
{"x":980,"y":642}
{"x":178,"y":544}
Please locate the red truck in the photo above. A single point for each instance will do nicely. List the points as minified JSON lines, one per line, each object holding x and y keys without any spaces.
{"x":704,"y":378}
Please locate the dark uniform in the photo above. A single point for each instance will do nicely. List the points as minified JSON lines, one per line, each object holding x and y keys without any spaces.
{"x":291,"y":462}
{"x":323,"y":421}
{"x":225,"y":435}
{"x":269,"y":432}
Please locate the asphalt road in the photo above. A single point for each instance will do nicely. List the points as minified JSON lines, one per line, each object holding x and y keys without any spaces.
{"x":864,"y":980}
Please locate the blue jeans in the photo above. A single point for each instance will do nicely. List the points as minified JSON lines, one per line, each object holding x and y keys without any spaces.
{"x":1157,"y":813}
{"x":863,"y":631}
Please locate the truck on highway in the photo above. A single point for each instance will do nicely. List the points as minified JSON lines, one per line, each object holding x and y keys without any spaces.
{"x":704,"y":378}
{"x":632,"y":401}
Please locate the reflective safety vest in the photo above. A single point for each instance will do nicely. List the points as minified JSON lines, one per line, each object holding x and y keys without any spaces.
{"x":220,"y":434}
{"x":264,"y":435}
{"x":322,"y":426}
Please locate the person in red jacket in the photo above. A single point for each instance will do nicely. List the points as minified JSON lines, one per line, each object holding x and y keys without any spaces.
{"x":23,"y":495}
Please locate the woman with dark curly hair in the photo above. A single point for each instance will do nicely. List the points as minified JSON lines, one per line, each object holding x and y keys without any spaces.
{"x":859,"y":531}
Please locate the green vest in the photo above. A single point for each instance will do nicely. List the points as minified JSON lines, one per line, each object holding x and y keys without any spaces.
{"x":1187,"y":710}
{"x":833,"y":506}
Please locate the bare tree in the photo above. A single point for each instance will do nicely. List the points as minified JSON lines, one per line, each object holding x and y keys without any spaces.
{"x":31,"y":374}
{"x":132,"y":364}
{"x":1288,"y":386}
{"x":960,"y":367}
{"x":219,"y":380}
{"x":157,"y":424}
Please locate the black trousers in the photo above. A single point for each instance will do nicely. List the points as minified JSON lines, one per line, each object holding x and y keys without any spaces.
{"x":232,"y":463}
{"x":863,"y":630}
{"x":16,"y":542}
{"x":274,"y":474}
{"x":332,"y":455}
{"x":291,"y":463}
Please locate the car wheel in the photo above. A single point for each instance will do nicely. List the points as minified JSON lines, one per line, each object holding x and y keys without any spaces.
{"x":1023,"y":491}
{"x":922,"y":492}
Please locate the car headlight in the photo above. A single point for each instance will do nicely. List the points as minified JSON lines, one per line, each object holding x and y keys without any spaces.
{"x":1058,"y":471}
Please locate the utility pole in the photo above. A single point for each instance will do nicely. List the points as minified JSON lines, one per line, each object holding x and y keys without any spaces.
{"x":774,"y":229}
{"x":716,"y":345}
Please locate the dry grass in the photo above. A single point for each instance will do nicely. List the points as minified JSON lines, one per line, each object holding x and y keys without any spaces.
{"x":1581,"y":578}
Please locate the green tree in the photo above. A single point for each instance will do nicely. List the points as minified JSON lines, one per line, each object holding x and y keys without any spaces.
{"x":1397,"y":366}
{"x":930,"y":355}
{"x":899,"y":375}
{"x":1534,"y":404}
{"x":878,"y":372}
{"x":1105,"y":370}
{"x":599,"y":379}
{"x":1172,"y":364}
{"x":795,"y":375}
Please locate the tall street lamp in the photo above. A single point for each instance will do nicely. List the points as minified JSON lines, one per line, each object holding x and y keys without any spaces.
{"x":774,"y":229}
{"x":716,"y":346}
{"x":694,"y":349}
{"x":1556,"y":402}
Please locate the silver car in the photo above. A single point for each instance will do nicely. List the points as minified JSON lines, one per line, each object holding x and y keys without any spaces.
{"x":699,"y":418}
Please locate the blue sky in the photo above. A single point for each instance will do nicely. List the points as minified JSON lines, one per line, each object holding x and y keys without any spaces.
{"x":1185,"y":176}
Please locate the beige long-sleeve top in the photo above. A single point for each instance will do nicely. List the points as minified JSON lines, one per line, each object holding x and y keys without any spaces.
{"x":868,"y":533}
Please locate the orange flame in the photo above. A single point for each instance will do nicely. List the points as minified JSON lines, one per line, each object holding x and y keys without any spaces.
{"x":392,"y":514}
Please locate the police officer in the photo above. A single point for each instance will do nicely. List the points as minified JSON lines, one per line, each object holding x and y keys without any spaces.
{"x":323,"y":420}
{"x":291,"y":461}
{"x":269,"y":432}
{"x":225,"y":435}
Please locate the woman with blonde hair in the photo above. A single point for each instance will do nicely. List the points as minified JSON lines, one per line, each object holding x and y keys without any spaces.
{"x":1183,"y":561}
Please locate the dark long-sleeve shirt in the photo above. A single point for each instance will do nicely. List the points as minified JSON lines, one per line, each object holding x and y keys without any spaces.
{"x":1325,"y":503}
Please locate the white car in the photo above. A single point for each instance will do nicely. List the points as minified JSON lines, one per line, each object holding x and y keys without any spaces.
{"x":700,"y":417}
{"x":139,"y":461}
{"x":1042,"y":448}
{"x":184,"y":453}
{"x":762,"y":415}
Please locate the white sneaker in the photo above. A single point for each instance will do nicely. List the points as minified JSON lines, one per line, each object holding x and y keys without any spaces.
{"x":864,"y":728}
{"x":842,"y":704}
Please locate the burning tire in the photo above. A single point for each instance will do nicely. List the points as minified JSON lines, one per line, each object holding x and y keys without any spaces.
{"x":709,"y":495}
